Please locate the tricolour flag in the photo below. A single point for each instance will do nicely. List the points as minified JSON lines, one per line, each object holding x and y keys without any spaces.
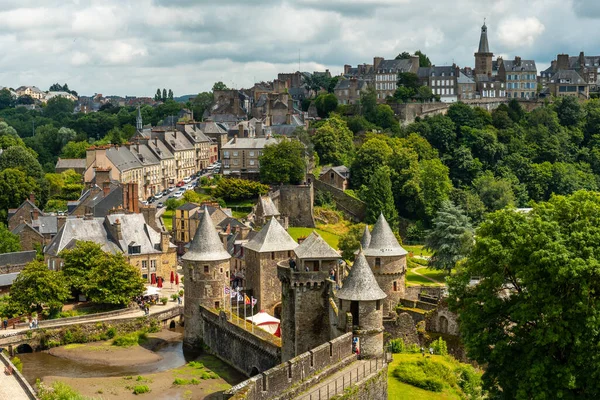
{"x":254,"y":301}
{"x":246,"y":299}
{"x":226,"y":290}
{"x":239,"y":297}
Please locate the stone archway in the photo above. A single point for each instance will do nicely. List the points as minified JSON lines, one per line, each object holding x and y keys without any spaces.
{"x":24,"y":348}
{"x":443,"y":324}
{"x":277,"y":311}
{"x":254,"y":371}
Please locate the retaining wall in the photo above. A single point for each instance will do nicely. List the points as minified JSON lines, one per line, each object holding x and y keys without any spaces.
{"x":354,"y":208}
{"x":27,"y":388}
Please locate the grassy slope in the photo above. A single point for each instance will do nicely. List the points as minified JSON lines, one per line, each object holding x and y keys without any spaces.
{"x":330,"y":238}
{"x":399,"y":390}
{"x":414,"y":279}
{"x":168,"y":219}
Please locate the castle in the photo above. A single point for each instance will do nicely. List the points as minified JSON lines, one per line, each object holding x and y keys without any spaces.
{"x":312,"y":310}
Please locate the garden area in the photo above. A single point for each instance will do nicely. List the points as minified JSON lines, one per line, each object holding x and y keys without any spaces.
{"x":331,"y":238}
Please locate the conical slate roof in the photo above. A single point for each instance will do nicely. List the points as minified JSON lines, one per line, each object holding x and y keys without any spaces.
{"x":206,"y":245}
{"x":314,"y":246}
{"x":366,"y":238}
{"x":483,"y":41}
{"x":267,"y":206}
{"x":383,"y":242}
{"x":360,"y":285}
{"x":272,"y":237}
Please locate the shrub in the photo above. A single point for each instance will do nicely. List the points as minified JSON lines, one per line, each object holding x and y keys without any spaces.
{"x":111,"y":332}
{"x":154,"y":326}
{"x":412,"y":348}
{"x":181,"y":291}
{"x":439,"y":347}
{"x":164,"y":300}
{"x":397,"y":346}
{"x":57,"y":391}
{"x":180,"y":381}
{"x":130,"y":339}
{"x":17,"y":363}
{"x":174,"y":297}
{"x":239,"y":189}
{"x":413,"y":374}
{"x":469,"y":380}
{"x":52,"y":343}
{"x":139,"y":389}
{"x":195,"y":364}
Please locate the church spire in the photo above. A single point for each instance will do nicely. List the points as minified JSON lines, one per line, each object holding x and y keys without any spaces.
{"x":483,"y":40}
{"x":138,"y":121}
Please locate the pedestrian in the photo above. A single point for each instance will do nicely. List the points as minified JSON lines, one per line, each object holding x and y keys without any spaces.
{"x":431,"y":350}
{"x":306,"y":268}
{"x":179,"y":299}
{"x":147,"y":310}
{"x":292,"y":264}
{"x":422,"y":351}
{"x":5,"y":323}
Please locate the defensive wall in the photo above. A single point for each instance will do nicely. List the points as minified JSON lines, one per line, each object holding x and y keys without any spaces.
{"x":248,"y":349}
{"x":26,"y":388}
{"x":296,"y":203}
{"x":354,"y":208}
{"x":297,"y":375}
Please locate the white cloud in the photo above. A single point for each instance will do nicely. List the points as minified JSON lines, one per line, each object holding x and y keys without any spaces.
{"x":517,"y":32}
{"x":79,"y":59}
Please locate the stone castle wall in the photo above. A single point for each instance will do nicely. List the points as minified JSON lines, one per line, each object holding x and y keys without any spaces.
{"x":354,"y":208}
{"x":296,"y":203}
{"x":247,"y":352}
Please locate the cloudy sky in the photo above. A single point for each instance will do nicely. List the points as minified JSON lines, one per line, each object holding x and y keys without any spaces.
{"x":132,"y":47}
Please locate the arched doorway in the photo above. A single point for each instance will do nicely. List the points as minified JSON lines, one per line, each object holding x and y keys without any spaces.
{"x":443,"y":324}
{"x":24,"y":348}
{"x":277,"y":311}
{"x":254,"y":371}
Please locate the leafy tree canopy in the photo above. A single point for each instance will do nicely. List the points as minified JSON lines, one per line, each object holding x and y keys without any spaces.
{"x":9,"y":242}
{"x":112,"y":280}
{"x":36,"y":287}
{"x":283,"y":162}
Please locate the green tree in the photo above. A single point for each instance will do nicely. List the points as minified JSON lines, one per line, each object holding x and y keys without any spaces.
{"x":371,"y":155}
{"x":164,"y":95}
{"x":533,"y":318}
{"x":15,"y":187}
{"x":380,"y":199}
{"x":326,"y":103}
{"x":570,"y":112}
{"x":75,"y":149}
{"x":20,"y":158}
{"x":57,"y":105}
{"x":423,"y":59}
{"x":9,"y":242}
{"x":408,"y":80}
{"x":201,"y":103}
{"x":9,"y":136}
{"x":115,"y":136}
{"x":405,"y":55}
{"x":157,"y":96}
{"x":435,"y":186}
{"x":333,"y":142}
{"x":495,"y":193}
{"x":368,"y":103}
{"x":283,"y":162}
{"x":239,"y":189}
{"x":78,"y":263}
{"x":350,"y":241}
{"x":450,"y":238}
{"x":170,"y":95}
{"x":6,"y":99}
{"x":36,"y":287}
{"x":385,"y":118}
{"x":113,"y":280}
{"x":25,"y":100}
{"x":219,"y":86}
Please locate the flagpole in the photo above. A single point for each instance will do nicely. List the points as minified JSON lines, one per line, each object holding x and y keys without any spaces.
{"x":237,"y":299}
{"x":245,"y":310}
{"x":252,"y":311}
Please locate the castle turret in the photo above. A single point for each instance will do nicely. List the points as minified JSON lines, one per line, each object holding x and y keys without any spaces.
{"x":360,"y":308}
{"x":387,"y":260}
{"x":261,"y":254}
{"x":366,"y":238}
{"x":138,"y":121}
{"x":305,"y":322}
{"x":206,"y":272}
{"x":483,"y":57}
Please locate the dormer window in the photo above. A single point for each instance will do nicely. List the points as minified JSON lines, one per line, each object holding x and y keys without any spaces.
{"x":135,"y":249}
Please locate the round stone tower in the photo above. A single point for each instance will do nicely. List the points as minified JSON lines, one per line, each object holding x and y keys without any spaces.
{"x":360,"y":308}
{"x":387,"y":260}
{"x":206,"y":272}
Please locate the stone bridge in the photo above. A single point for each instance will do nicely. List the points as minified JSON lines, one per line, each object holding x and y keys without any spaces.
{"x":22,"y":339}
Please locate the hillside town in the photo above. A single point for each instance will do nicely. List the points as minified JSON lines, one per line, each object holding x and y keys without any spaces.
{"x":396,"y":229}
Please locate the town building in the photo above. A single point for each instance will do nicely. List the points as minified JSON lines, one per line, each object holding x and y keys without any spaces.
{"x":32,"y":91}
{"x":348,"y":91}
{"x":51,"y":95}
{"x":338,"y":177}
{"x":386,"y":74}
{"x":465,"y":87}
{"x":65,"y":164}
{"x":11,"y":264}
{"x":240,"y":155}
{"x":187,"y":218}
{"x":442,"y":80}
{"x":567,"y":82}
{"x":520,"y":77}
{"x":121,"y":165}
{"x":483,"y":56}
{"x":266,"y":209}
{"x":27,"y":212}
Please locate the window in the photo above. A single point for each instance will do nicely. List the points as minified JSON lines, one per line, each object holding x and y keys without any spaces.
{"x":272,"y":255}
{"x":252,"y":162}
{"x":235,"y":153}
{"x":251,"y":154}
{"x":378,"y":262}
{"x":217,"y":305}
{"x":152,"y":265}
{"x":221,"y":270}
{"x":225,"y":154}
{"x":135,"y":249}
{"x":378,"y":305}
{"x":206,"y":269}
{"x":395,"y":286}
{"x":144,"y":264}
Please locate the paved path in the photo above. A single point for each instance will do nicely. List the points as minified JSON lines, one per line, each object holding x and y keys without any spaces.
{"x":10,"y":389}
{"x":438,"y":283}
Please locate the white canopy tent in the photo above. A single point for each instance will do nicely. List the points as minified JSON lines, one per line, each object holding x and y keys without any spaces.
{"x":265,"y":321}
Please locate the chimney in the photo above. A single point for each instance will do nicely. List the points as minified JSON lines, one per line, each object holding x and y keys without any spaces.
{"x":517,"y":61}
{"x":244,"y":231}
{"x":117,"y":226}
{"x":290,"y":104}
{"x":165,"y":241}
{"x":414,"y":63}
{"x":35,"y":214}
{"x":288,"y":119}
{"x":347,"y":69}
{"x":102,"y":175}
{"x":259,"y":129}
{"x":562,"y":61}
{"x":60,"y":221}
{"x":376,"y":62}
{"x":149,"y":214}
{"x":241,"y":130}
{"x":156,"y":142}
{"x":88,"y":216}
{"x":106,"y":188}
{"x":32,"y":197}
{"x":235,"y":139}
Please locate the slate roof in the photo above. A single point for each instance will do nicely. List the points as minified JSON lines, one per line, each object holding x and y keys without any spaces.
{"x":13,"y":211}
{"x":568,"y":75}
{"x":315,"y":247}
{"x":394,"y":66}
{"x":272,"y":237}
{"x":8,"y":279}
{"x":70,"y":163}
{"x":341,"y":170}
{"x":268,"y":208}
{"x":230,"y":221}
{"x":135,"y":230}
{"x":366,"y":238}
{"x":188,"y":207}
{"x":345,"y":84}
{"x":122,"y":158}
{"x":17,"y":258}
{"x":196,"y":135}
{"x":464,"y":79}
{"x":46,"y":224}
{"x":383,"y":242}
{"x":144,"y":155}
{"x":525,"y":66}
{"x":211,"y":127}
{"x":22,"y":226}
{"x":424,"y":72}
{"x":206,"y":244}
{"x":176,"y":141}
{"x":80,"y":229}
{"x":160,"y":150}
{"x":250,"y":143}
{"x":360,"y":284}
{"x":484,"y":47}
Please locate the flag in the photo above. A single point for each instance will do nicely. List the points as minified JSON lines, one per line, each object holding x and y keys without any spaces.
{"x":246,"y":299}
{"x":226,"y":290}
{"x":254,"y":301}
{"x":233,"y":294}
{"x":239,"y":297}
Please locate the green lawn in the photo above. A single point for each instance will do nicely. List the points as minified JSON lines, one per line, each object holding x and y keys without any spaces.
{"x":414,"y":279}
{"x":167,"y":218}
{"x":330,"y":238}
{"x":399,"y":390}
{"x":417,"y":249}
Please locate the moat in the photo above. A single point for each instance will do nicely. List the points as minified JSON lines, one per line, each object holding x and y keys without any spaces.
{"x":100,"y":370}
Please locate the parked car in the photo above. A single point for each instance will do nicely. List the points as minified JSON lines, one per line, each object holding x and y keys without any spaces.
{"x":178,"y":195}
{"x":158,"y":196}
{"x":210,"y":168}
{"x":145,"y":202}
{"x":160,"y":205}
{"x":187,"y":179}
{"x":171,"y":196}
{"x":170,"y":189}
{"x":165,"y":192}
{"x":180,"y":183}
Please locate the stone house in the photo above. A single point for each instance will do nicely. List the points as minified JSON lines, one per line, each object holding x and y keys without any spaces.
{"x":11,"y":264}
{"x":187,"y":218}
{"x":442,"y":80}
{"x":152,"y":178}
{"x":27,"y":212}
{"x":265,"y":209}
{"x":183,"y":151}
{"x":120,"y":163}
{"x":269,"y":246}
{"x":204,"y":146}
{"x":520,"y":77}
{"x":240,"y":155}
{"x":217,"y":132}
{"x":65,"y":164}
{"x":168,"y":171}
{"x":146,"y":248}
{"x":348,"y":91}
{"x":567,"y":82}
{"x":29,"y":237}
{"x":33,"y":91}
{"x":386,"y":74}
{"x":338,"y":177}
{"x":465,"y":87}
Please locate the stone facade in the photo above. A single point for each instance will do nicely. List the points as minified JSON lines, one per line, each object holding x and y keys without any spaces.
{"x":365,"y":318}
{"x":442,"y":320}
{"x":29,"y":237}
{"x":296,"y":204}
{"x":390,"y":273}
{"x":261,"y":277}
{"x":401,"y":326}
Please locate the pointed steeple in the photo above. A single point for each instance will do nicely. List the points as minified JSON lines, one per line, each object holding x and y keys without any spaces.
{"x":272,"y":237}
{"x":383,"y":241}
{"x":206,"y":245}
{"x":366,"y":238}
{"x":138,"y":121}
{"x":360,"y":285}
{"x":483,"y":40}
